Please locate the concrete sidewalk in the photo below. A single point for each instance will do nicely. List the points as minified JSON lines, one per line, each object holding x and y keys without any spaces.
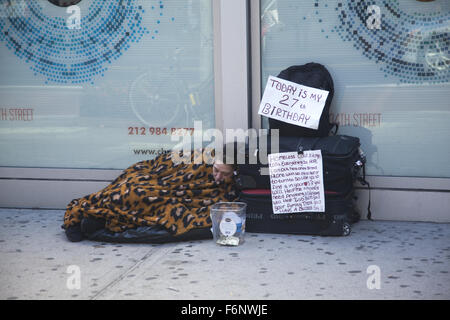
{"x":410,"y":260}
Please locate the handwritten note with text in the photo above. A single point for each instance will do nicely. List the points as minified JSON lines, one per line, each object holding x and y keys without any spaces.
{"x":296,"y":182}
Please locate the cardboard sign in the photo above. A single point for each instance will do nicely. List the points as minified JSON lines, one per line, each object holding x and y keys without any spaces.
{"x":293,"y":103}
{"x":296,"y":182}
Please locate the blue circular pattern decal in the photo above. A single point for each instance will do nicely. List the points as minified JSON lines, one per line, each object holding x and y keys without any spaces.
{"x":413,"y":46}
{"x":74,"y":44}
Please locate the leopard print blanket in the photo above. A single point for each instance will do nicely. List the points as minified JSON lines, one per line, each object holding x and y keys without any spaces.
{"x":156,"y":192}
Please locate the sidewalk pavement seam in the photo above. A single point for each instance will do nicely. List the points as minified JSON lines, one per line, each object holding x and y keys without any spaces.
{"x":155,"y":252}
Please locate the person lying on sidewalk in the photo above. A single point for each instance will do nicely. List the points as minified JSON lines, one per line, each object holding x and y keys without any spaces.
{"x":175,"y":196}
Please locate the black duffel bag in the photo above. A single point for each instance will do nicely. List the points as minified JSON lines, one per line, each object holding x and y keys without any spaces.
{"x":342,"y":160}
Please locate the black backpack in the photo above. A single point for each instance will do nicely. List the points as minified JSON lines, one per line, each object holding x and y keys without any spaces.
{"x":312,"y":75}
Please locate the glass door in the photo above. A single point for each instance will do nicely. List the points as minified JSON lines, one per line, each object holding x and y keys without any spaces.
{"x":100,"y":84}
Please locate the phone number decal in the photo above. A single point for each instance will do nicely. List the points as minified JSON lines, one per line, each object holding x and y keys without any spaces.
{"x":158,"y":131}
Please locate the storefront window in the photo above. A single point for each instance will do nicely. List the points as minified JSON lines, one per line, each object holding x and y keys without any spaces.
{"x":390,"y":62}
{"x":102,"y":84}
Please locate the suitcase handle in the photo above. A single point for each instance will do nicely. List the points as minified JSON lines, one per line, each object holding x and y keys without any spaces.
{"x":300,"y":148}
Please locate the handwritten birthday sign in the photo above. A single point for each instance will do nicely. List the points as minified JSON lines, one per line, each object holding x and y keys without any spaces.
{"x":296,"y":182}
{"x":292,"y":103}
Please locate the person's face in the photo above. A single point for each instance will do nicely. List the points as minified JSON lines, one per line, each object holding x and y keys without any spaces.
{"x":222,"y":171}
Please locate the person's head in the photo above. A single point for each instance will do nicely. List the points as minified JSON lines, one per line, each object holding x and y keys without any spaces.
{"x":225,"y":164}
{"x":222,"y":171}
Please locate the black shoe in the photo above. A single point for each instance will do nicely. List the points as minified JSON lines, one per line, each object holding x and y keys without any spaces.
{"x":89,"y":225}
{"x":74,"y":234}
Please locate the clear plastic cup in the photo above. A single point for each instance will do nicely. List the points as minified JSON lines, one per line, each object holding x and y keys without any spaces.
{"x":228,"y":223}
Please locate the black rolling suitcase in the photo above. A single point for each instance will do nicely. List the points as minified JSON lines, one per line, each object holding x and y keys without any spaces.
{"x":343,"y":163}
{"x":335,"y":221}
